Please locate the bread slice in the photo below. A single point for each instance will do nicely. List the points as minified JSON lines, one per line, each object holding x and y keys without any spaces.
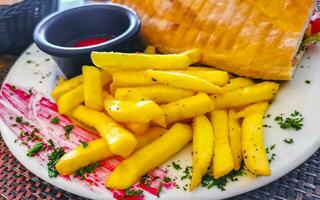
{"x":253,"y":38}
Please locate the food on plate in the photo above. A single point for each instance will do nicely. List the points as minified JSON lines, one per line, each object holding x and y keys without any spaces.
{"x":254,"y":153}
{"x":202,"y":148}
{"x":183,"y":81}
{"x":81,"y":156}
{"x":247,"y":95}
{"x":135,"y":111}
{"x":150,"y":50}
{"x":235,"y":138}
{"x":137,"y":128}
{"x":257,"y":39}
{"x":222,"y":162}
{"x":237,"y":83}
{"x":187,"y":108}
{"x":142,"y":161}
{"x":93,"y":87}
{"x":139,"y":61}
{"x":70,"y":100}
{"x":158,"y":93}
{"x":260,"y":107}
{"x":120,"y":141}
{"x":66,"y":86}
{"x":139,"y":102}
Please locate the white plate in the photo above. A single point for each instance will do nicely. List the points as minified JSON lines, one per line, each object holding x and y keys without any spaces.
{"x":293,"y":95}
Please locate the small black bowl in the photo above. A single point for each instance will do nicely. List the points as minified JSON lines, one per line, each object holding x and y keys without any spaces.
{"x":54,"y":33}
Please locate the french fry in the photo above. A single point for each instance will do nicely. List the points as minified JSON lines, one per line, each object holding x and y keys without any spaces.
{"x":157,"y":93}
{"x":183,"y":81}
{"x":93,"y":87}
{"x":121,"y":141}
{"x":149,"y":157}
{"x":83,"y":125}
{"x":66,"y":86}
{"x":194,"y":55}
{"x":96,"y":151}
{"x":187,"y":108}
{"x":260,"y":107}
{"x":248,"y":95}
{"x":201,"y":68}
{"x":237,"y":83}
{"x":139,"y":61}
{"x":132,"y":79}
{"x":202,"y":148}
{"x":135,"y":111}
{"x":150,"y":135}
{"x":150,"y":50}
{"x":137,"y":128}
{"x":219,"y":78}
{"x":222,"y":162}
{"x":70,"y":100}
{"x":235,"y":138}
{"x":255,"y":156}
{"x":106,"y":77}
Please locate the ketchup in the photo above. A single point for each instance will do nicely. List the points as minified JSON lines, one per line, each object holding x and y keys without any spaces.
{"x":91,"y":41}
{"x":315,"y":26}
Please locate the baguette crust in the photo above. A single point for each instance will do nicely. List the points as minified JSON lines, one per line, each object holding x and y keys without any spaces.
{"x":253,"y":38}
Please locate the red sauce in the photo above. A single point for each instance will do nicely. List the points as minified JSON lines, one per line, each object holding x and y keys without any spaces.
{"x":91,"y":41}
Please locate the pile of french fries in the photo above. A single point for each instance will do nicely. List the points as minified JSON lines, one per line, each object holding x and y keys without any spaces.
{"x":146,"y":107}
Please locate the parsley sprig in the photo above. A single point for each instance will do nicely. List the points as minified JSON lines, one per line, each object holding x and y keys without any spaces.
{"x":293,"y":122}
{"x":86,"y":170}
{"x":35,"y":149}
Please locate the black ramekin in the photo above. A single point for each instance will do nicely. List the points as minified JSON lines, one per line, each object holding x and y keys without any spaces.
{"x":55,"y":31}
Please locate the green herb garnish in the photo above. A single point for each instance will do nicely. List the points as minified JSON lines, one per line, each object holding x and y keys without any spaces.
{"x":84,"y":144}
{"x":209,"y":181}
{"x":55,"y":120}
{"x":292,"y":122}
{"x":67,"y":130}
{"x":309,"y":40}
{"x":176,"y":166}
{"x":159,"y":189}
{"x":19,"y":119}
{"x":129,"y":192}
{"x":166,"y":179}
{"x":86,"y":170}
{"x":187,"y":173}
{"x":53,"y":158}
{"x":35,"y":149}
{"x":29,"y":61}
{"x":51,"y":144}
{"x":288,"y":141}
{"x":307,"y":81}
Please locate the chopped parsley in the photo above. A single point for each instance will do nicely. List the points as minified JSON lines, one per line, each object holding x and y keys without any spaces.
{"x":266,"y":126}
{"x":35,"y":149}
{"x":19,"y":120}
{"x":53,"y":158}
{"x":292,"y":122}
{"x":176,"y":166}
{"x":268,"y":115}
{"x":29,"y":61}
{"x":187,"y":173}
{"x":288,"y":141}
{"x":153,"y":79}
{"x":67,"y":130}
{"x":86,"y":170}
{"x":273,"y":155}
{"x":84,"y":144}
{"x":47,"y":59}
{"x":307,"y":81}
{"x":51,"y":144}
{"x":166,"y":179}
{"x":159,"y":189}
{"x":55,"y":120}
{"x":129,"y":192}
{"x":209,"y":181}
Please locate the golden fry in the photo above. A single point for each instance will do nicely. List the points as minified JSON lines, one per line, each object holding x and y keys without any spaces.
{"x":255,"y":156}
{"x":195,"y":55}
{"x":93,"y":87}
{"x":70,"y":100}
{"x":66,"y":86}
{"x":222,"y":162}
{"x":260,"y":107}
{"x":202,"y":148}
{"x":248,"y":95}
{"x":157,"y":93}
{"x":132,"y":79}
{"x":149,"y":157}
{"x":139,"y":61}
{"x":150,"y":135}
{"x":187,"y":108}
{"x":235,"y":137}
{"x":121,"y":142}
{"x":137,"y":128}
{"x":183,"y":81}
{"x":218,"y":78}
{"x":237,"y":83}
